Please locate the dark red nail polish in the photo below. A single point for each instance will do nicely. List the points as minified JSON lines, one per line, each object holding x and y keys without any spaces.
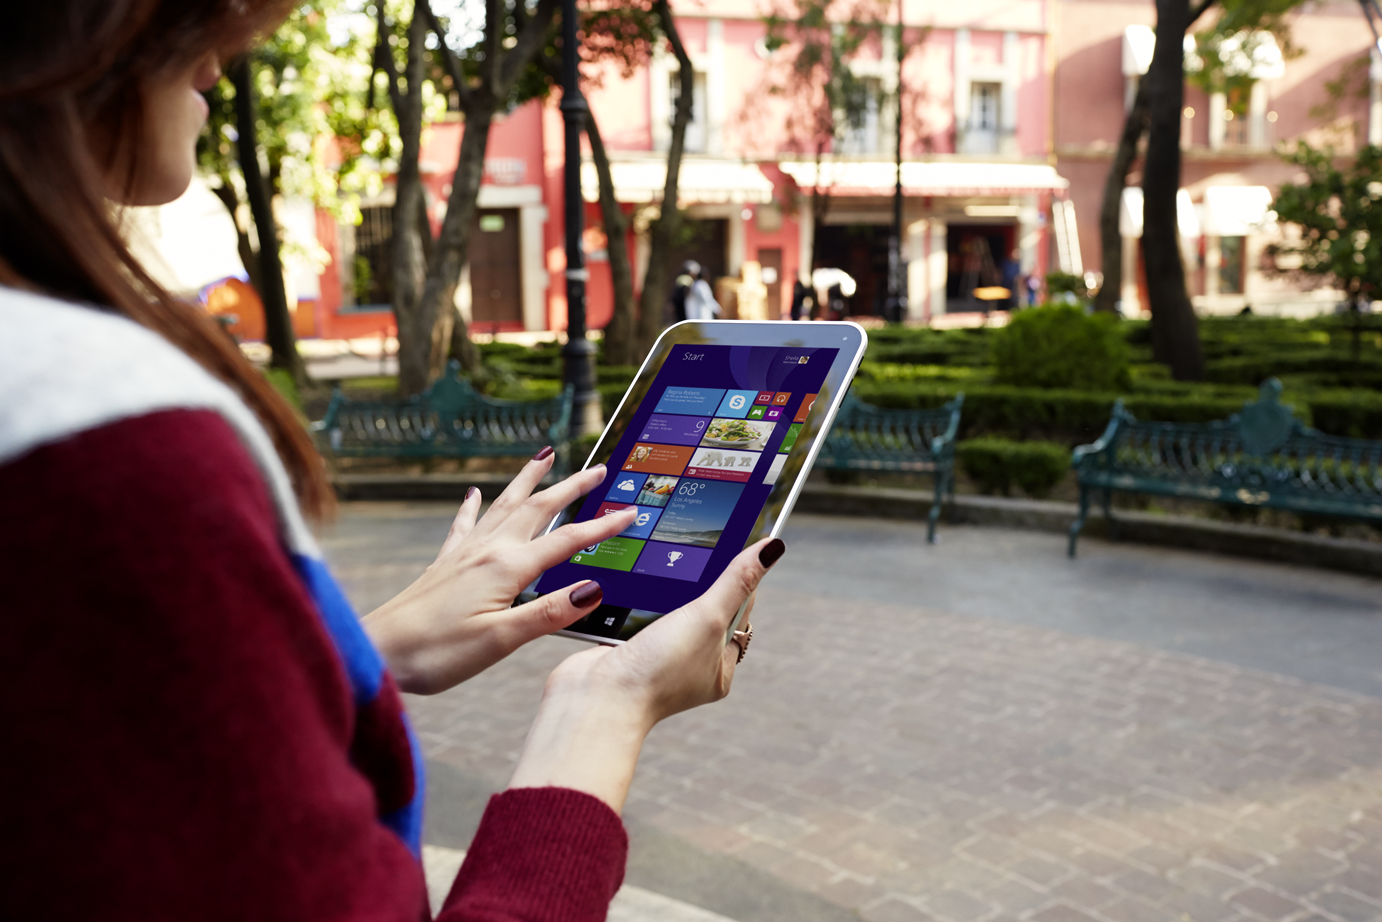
{"x":542,"y":455}
{"x":587,"y":595}
{"x":771,"y":552}
{"x":471,"y":492}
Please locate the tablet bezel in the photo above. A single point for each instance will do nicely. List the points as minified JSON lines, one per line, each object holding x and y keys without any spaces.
{"x":849,"y":338}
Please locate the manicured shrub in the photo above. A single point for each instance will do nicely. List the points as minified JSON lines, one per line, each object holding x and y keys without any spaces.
{"x":616,"y":374}
{"x":1258,"y":367}
{"x":1059,"y":284}
{"x":501,"y":350}
{"x":1350,"y":412}
{"x":525,"y":389}
{"x":1074,"y":416}
{"x":1061,"y":346}
{"x":610,"y":395}
{"x":582,"y":447}
{"x":996,"y":465}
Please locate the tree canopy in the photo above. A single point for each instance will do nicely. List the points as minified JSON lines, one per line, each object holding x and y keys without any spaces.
{"x":1338,"y":214}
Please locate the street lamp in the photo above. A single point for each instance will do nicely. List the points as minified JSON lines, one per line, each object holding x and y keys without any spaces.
{"x":578,"y":353}
{"x":895,"y":310}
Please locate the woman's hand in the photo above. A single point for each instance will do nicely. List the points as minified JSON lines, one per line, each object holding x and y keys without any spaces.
{"x":600,"y":704}
{"x":455,"y":621}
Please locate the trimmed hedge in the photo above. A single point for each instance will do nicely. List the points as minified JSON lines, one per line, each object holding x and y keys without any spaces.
{"x":995,"y":465}
{"x":1070,"y":416}
{"x":1352,"y":412}
{"x":1254,"y":369}
{"x":610,"y":395}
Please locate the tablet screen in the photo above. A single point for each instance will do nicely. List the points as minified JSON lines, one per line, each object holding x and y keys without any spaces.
{"x":698,"y":461}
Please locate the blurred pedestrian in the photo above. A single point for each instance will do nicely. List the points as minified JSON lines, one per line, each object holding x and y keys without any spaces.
{"x":802,"y":301}
{"x":1012,"y":268}
{"x":832,"y":287}
{"x":199,"y":726}
{"x":700,"y":300}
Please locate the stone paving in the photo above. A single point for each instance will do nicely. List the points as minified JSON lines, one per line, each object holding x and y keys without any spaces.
{"x":911,"y":764}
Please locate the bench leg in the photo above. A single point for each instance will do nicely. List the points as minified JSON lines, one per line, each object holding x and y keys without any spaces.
{"x":1079,"y":522}
{"x":934,"y":515}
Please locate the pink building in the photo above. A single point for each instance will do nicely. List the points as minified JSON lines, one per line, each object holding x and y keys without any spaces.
{"x":1011,"y":110}
{"x":1230,"y":170}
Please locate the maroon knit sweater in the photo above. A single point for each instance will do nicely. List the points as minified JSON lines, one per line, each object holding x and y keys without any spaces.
{"x":177,"y":725}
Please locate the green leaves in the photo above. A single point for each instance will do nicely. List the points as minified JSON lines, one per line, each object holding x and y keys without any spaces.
{"x":1334,"y":221}
{"x":1061,"y":346}
{"x":811,"y":44}
{"x":312,"y":79}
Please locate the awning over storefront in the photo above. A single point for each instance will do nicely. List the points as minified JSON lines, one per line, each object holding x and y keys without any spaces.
{"x":1236,"y":211}
{"x":932,"y":177}
{"x":699,"y":181}
{"x":1130,"y":215}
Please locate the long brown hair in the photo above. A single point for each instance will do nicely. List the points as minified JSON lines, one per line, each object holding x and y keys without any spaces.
{"x":72,"y":73}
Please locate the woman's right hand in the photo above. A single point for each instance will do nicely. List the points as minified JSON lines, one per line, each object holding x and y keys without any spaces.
{"x":600,"y":704}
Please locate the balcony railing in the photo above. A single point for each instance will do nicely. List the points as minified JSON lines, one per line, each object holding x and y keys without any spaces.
{"x":1240,"y":133}
{"x":984,"y":141}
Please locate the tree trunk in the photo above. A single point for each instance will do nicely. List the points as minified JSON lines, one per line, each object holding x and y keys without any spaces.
{"x":663,"y":232}
{"x":620,"y":345}
{"x":278,"y":322}
{"x":409,"y":262}
{"x":1110,"y":237}
{"x":437,"y":308}
{"x":1175,"y":329}
{"x":249,"y":256}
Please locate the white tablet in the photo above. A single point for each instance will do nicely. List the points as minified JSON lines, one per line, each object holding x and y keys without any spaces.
{"x":711,"y":443}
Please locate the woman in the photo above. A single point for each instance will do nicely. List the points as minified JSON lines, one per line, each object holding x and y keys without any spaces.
{"x":197,"y":726}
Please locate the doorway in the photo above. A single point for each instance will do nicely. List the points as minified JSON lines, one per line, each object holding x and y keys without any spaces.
{"x":704,"y":240}
{"x":496,"y":279}
{"x":979,"y":256}
{"x":862,"y":251}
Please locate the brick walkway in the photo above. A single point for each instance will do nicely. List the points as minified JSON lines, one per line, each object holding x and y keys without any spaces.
{"x":911,"y":765}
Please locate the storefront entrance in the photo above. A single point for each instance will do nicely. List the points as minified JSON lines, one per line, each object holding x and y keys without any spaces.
{"x":704,"y":240}
{"x":862,"y":251}
{"x":979,"y":256}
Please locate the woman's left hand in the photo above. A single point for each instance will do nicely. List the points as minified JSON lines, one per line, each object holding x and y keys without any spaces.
{"x":455,"y":621}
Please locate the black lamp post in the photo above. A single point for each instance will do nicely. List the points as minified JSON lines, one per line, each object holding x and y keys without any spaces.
{"x":895,"y":310}
{"x":578,"y":355}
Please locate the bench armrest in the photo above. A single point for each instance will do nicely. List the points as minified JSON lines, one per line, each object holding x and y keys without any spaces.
{"x":939,"y":443}
{"x":333,"y":409}
{"x":1106,"y":440}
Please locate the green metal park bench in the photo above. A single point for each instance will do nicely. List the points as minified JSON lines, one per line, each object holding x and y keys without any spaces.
{"x":869,"y":438}
{"x":1262,"y":457}
{"x":448,"y":420}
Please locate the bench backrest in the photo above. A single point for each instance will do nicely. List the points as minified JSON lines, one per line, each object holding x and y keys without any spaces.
{"x":448,"y":416}
{"x":1263,"y":448}
{"x":861,"y":429}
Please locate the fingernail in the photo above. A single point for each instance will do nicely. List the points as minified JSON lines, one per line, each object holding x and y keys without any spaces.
{"x":472,"y":492}
{"x":542,"y":455}
{"x":587,"y":595}
{"x":771,"y":552}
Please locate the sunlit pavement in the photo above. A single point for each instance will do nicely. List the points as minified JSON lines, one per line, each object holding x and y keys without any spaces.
{"x":984,"y":730}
